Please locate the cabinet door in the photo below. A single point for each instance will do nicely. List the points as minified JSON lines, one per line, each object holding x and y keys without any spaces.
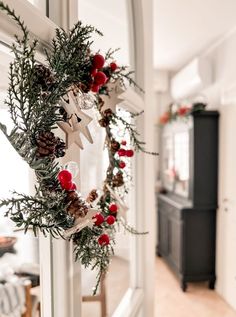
{"x":163,"y":232}
{"x":175,"y":249}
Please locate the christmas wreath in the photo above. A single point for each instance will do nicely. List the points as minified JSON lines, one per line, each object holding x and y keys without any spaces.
{"x":43,"y":97}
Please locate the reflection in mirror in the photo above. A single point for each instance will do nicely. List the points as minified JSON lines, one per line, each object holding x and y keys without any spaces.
{"x":111,"y":18}
{"x":19,"y":253}
{"x":93,"y":165}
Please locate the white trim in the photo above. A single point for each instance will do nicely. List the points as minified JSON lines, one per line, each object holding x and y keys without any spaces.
{"x":130,"y":304}
{"x":46,"y":276}
{"x":41,"y":28}
{"x":132,"y":100}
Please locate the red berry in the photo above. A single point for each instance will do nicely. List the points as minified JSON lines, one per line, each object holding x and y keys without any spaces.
{"x":98,"y":61}
{"x":113,"y":208}
{"x":95,"y":88}
{"x":93,"y":72}
{"x":74,"y":187}
{"x":129,"y":153}
{"x":104,"y":239}
{"x":121,"y":152}
{"x":113,"y":66}
{"x":99,"y":219}
{"x":110,"y":220}
{"x":100,"y":78}
{"x":122,"y":164}
{"x":123,"y":142}
{"x":67,"y":185}
{"x":64,"y":176}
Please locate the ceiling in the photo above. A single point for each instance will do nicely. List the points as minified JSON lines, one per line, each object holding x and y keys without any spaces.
{"x":184,"y":28}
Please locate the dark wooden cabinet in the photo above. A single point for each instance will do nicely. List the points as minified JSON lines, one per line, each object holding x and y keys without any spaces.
{"x":187,"y":225}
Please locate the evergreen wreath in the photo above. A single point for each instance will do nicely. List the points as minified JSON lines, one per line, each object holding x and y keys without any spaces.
{"x":34,"y":102}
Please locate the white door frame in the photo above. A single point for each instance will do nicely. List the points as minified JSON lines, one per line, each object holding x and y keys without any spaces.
{"x":59,"y":274}
{"x":143,"y":56}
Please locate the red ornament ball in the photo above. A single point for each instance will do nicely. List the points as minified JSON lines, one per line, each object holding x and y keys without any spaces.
{"x":99,"y":219}
{"x":129,"y":153}
{"x":64,"y":176}
{"x":121,"y":152}
{"x":74,"y":187}
{"x":67,"y":185}
{"x":110,"y":220}
{"x":104,"y":239}
{"x":123,"y":142}
{"x":100,"y":78}
{"x":113,"y":208}
{"x":93,"y":71}
{"x":113,"y":66}
{"x":98,"y":61}
{"x":122,"y":164}
{"x":95,"y":88}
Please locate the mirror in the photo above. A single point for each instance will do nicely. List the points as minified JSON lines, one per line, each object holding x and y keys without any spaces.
{"x":109,"y":17}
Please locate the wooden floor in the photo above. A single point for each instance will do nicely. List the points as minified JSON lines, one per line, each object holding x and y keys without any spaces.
{"x":198,"y":301}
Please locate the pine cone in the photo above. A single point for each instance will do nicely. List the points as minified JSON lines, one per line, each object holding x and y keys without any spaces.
{"x":104,"y":122}
{"x":60,"y":148}
{"x":118,"y":180}
{"x":44,"y":77}
{"x":114,"y":146}
{"x":49,"y":145}
{"x":93,"y":195}
{"x":108,"y":113}
{"x":77,"y":206}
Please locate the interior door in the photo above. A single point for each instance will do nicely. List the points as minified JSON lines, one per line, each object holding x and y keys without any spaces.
{"x":226,"y":233}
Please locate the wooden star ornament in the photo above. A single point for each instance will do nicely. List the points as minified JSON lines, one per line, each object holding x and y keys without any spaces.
{"x":81,"y":223}
{"x":77,"y":123}
{"x":112,"y":100}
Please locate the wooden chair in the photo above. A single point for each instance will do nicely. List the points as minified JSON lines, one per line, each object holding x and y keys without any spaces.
{"x":101,"y":297}
{"x":28,"y":301}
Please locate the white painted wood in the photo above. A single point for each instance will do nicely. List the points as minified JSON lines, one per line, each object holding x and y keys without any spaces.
{"x":130,"y":304}
{"x":226,"y":218}
{"x":46,"y":273}
{"x":146,"y":199}
{"x":39,"y":25}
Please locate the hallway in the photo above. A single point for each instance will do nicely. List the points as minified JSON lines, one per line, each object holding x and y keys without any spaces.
{"x":198,"y":301}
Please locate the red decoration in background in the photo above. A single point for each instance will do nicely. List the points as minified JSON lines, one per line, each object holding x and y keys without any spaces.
{"x":64,"y":176}
{"x":104,"y":239}
{"x":129,"y":153}
{"x":121,"y":152}
{"x":113,"y":66}
{"x":98,"y":61}
{"x":99,"y":219}
{"x":165,"y":118}
{"x":122,"y":164}
{"x":183,"y":110}
{"x":113,"y":208}
{"x":110,"y":220}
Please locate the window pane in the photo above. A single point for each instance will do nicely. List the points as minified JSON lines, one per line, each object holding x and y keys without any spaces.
{"x":40,"y":4}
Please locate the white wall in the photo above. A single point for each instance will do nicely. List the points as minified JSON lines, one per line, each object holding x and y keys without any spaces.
{"x":224,"y":66}
{"x":221,"y":95}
